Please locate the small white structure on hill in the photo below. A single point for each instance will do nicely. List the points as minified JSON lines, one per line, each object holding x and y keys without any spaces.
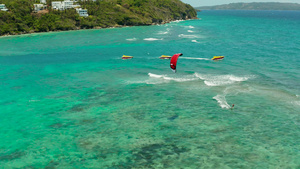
{"x":82,"y":12}
{"x":43,"y":1}
{"x":3,"y":7}
{"x":56,"y":5}
{"x":39,"y":7}
{"x":62,"y":5}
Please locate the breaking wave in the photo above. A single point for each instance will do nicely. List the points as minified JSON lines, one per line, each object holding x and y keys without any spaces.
{"x":163,"y":33}
{"x":222,"y":101}
{"x":190,"y":31}
{"x":191,"y":27}
{"x":177,"y":21}
{"x":133,"y":39}
{"x":177,"y":79}
{"x":152,"y":39}
{"x":155,"y":75}
{"x":187,"y":36}
{"x":297,"y":103}
{"x":220,"y":80}
{"x":209,"y":80}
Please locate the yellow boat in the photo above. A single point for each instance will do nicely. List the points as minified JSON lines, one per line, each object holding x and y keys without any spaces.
{"x":127,"y":57}
{"x":165,"y":57}
{"x":217,"y":58}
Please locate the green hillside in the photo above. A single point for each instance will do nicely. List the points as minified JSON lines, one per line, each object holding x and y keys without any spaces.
{"x":254,"y":6}
{"x":102,"y":14}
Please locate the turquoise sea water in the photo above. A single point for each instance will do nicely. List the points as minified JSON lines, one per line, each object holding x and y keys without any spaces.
{"x":69,"y":101}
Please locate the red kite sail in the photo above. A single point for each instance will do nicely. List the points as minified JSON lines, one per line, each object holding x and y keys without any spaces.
{"x":174,"y":61}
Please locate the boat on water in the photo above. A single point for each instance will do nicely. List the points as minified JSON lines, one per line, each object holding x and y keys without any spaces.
{"x":127,"y":57}
{"x":217,"y":58}
{"x":165,"y":57}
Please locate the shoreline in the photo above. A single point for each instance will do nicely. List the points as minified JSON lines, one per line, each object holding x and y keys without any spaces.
{"x":78,"y":29}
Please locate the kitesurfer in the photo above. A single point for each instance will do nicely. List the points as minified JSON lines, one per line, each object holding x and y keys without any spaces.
{"x":173,"y":61}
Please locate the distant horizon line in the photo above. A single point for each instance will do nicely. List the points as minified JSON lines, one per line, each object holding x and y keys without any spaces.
{"x":248,"y":3}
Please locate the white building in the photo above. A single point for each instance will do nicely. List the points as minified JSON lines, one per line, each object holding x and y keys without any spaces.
{"x":68,"y":4}
{"x":57,"y":5}
{"x":82,"y":12}
{"x":3,"y":7}
{"x":39,"y":7}
{"x":62,"y":5}
{"x":43,"y":1}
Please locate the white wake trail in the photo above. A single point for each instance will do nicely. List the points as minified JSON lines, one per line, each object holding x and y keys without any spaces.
{"x":222,"y":101}
{"x":194,"y":58}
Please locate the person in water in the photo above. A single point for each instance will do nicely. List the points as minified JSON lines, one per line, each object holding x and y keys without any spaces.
{"x":232,"y":106}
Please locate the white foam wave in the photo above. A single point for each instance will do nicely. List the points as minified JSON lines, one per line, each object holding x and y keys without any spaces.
{"x":191,"y":27}
{"x":220,"y":80}
{"x":202,"y":77}
{"x":237,"y":79}
{"x":152,"y":39}
{"x":177,"y":79}
{"x":190,"y":31}
{"x":133,"y":39}
{"x":194,"y":58}
{"x":148,"y":81}
{"x":187,"y":36}
{"x":177,"y":21}
{"x":155,"y":75}
{"x":297,"y":103}
{"x":209,"y":80}
{"x":163,"y":33}
{"x":217,"y":83}
{"x":222,"y":101}
{"x":195,"y":41}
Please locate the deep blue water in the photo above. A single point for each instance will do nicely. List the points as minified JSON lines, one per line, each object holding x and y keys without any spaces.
{"x":70,"y":101}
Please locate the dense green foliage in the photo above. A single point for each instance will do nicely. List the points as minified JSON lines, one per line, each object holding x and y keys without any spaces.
{"x":103,"y":13}
{"x":255,"y":6}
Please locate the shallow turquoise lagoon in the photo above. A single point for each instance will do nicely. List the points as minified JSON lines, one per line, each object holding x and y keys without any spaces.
{"x":68,"y":100}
